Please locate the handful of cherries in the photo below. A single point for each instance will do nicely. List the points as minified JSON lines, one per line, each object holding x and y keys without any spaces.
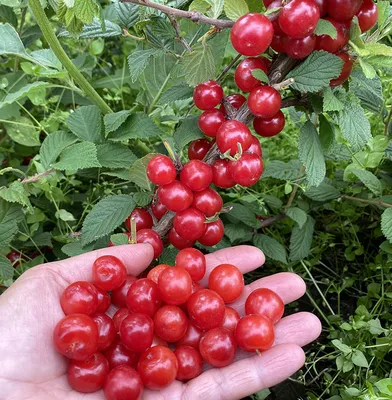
{"x":166,"y":325}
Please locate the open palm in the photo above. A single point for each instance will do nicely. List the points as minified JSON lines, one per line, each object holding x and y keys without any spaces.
{"x":29,"y":310}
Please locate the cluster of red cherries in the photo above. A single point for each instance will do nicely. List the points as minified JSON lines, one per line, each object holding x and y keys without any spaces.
{"x":167,"y":324}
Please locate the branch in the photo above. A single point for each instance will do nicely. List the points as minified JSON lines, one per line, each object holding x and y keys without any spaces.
{"x":176,"y":27}
{"x":379,"y":202}
{"x":36,"y":177}
{"x":270,"y":221}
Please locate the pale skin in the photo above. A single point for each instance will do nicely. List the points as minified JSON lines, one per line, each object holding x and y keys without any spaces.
{"x":30,"y":309}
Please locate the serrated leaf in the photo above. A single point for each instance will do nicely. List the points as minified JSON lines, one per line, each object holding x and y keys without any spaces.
{"x":260,"y":75}
{"x":6,"y":268}
{"x":177,"y":92}
{"x":384,"y":8}
{"x":86,"y":123}
{"x":375,"y":49}
{"x":26,"y":134}
{"x":138,"y":61}
{"x":64,"y":215}
{"x":289,"y":171}
{"x":113,"y":121}
{"x":119,"y":238}
{"x":216,"y":8}
{"x":10,"y":42}
{"x":106,"y":216}
{"x":86,"y":10}
{"x":301,"y":240}
{"x":237,"y":233}
{"x":322,"y":193}
{"x":243,"y":214}
{"x":187,"y":132}
{"x":47,"y":57}
{"x":10,"y":212}
{"x":359,"y":359}
{"x":7,"y":231}
{"x":386,"y":223}
{"x":341,"y":346}
{"x":168,"y":256}
{"x":94,"y":30}
{"x":297,"y":215}
{"x":326,"y":134}
{"x":330,"y":101}
{"x":53,"y":145}
{"x":16,"y":193}
{"x":325,"y":27}
{"x":127,"y":13}
{"x":316,"y":72}
{"x":78,"y":156}
{"x":235,"y":9}
{"x":385,"y":385}
{"x":115,"y":155}
{"x":75,"y":248}
{"x":22,"y":92}
{"x":142,"y":199}
{"x":369,"y":180}
{"x":138,"y":174}
{"x":311,"y":154}
{"x":271,"y":248}
{"x":368,"y":69}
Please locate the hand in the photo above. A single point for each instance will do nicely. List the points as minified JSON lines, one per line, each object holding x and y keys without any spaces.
{"x":29,"y":310}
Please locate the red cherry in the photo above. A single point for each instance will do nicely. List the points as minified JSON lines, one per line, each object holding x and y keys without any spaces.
{"x":367,"y":15}
{"x":161,"y":170}
{"x":322,"y":5}
{"x":197,"y":175}
{"x":228,"y":281}
{"x":299,"y":48}
{"x":177,"y":241}
{"x":268,"y":127}
{"x":142,"y":219}
{"x":265,"y":302}
{"x":170,"y":323}
{"x":264,"y":101}
{"x":247,"y":170}
{"x":325,"y":42}
{"x":220,"y":174}
{"x":278,"y":43}
{"x":151,"y":237}
{"x":109,"y":273}
{"x":208,"y":201}
{"x":243,"y":74}
{"x":79,"y":298}
{"x":137,"y":332}
{"x":299,"y":18}
{"x":155,"y":273}
{"x":232,"y":133}
{"x":190,"y":224}
{"x":119,"y":317}
{"x":193,"y":261}
{"x":122,"y":383}
{"x":213,"y":234}
{"x":158,"y":209}
{"x":119,"y":295}
{"x":252,"y":34}
{"x":192,"y":336}
{"x":117,"y":354}
{"x":143,"y":297}
{"x":343,"y":10}
{"x":190,"y":363}
{"x":274,"y":18}
{"x":15,"y":257}
{"x":210,"y":121}
{"x":207,"y":95}
{"x":104,"y":301}
{"x":175,"y":286}
{"x":198,"y":149}
{"x":106,"y":331}
{"x":255,"y":147}
{"x":231,"y":319}
{"x":346,"y":71}
{"x":89,"y":375}
{"x":176,"y":196}
{"x":236,"y":100}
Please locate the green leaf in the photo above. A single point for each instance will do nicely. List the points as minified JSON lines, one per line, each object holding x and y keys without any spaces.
{"x":53,"y":145}
{"x":119,"y":238}
{"x":187,"y":132}
{"x":327,"y":134}
{"x":316,"y":72}
{"x":115,"y":155}
{"x":375,"y":49}
{"x":330,"y":101}
{"x":311,"y":154}
{"x":216,"y":8}
{"x":260,"y":75}
{"x":235,"y":9}
{"x":325,"y":27}
{"x":386,"y":223}
{"x":138,"y":61}
{"x":369,"y":180}
{"x":64,"y":215}
{"x":341,"y":346}
{"x":237,"y":233}
{"x":6,"y":268}
{"x":127,"y":13}
{"x":384,"y":8}
{"x":86,"y":10}
{"x":113,"y":121}
{"x":16,"y":193}
{"x":271,"y":248}
{"x":75,"y":248}
{"x":359,"y":359}
{"x":94,"y":30}
{"x":8,"y":14}
{"x":368,"y":70}
{"x":138,"y":174}
{"x":10,"y":42}
{"x":297,"y":215}
{"x":324,"y":192}
{"x":47,"y":58}
{"x":385,"y":385}
{"x":86,"y":123}
{"x":78,"y":156}
{"x":289,"y":171}
{"x":243,"y":214}
{"x":168,"y":256}
{"x":26,"y":134}
{"x":142,"y":199}
{"x":177,"y":92}
{"x":301,"y":240}
{"x":23,"y":92}
{"x":106,"y":216}
{"x":10,"y":212}
{"x":7,"y":231}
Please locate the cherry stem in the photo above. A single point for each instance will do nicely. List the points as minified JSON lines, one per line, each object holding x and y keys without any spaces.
{"x":132,"y":239}
{"x":284,"y":84}
{"x":258,"y":352}
{"x":174,"y":156}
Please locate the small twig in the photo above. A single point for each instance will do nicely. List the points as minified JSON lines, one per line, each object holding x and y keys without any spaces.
{"x":176,"y":27}
{"x":228,"y":68}
{"x":293,"y":193}
{"x":293,"y":101}
{"x":270,"y":221}
{"x":379,"y":202}
{"x":284,"y":84}
{"x":165,"y":224}
{"x":36,"y":177}
{"x":127,"y":34}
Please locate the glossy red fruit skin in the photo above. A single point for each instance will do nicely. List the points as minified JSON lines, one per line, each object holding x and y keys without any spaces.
{"x":176,"y":196}
{"x":143,"y":219}
{"x":247,"y":170}
{"x":161,"y":170}
{"x":278,"y":43}
{"x":326,"y":43}
{"x":213,"y":234}
{"x":197,"y":175}
{"x":236,"y":100}
{"x":347,"y":68}
{"x":254,"y":332}
{"x":119,"y":295}
{"x":220,"y":174}
{"x":268,"y":127}
{"x":322,"y":5}
{"x":154,"y":274}
{"x":264,"y":101}
{"x":198,"y":149}
{"x":275,"y":17}
{"x":89,"y":375}
{"x":251,"y":34}
{"x":151,"y":237}
{"x":15,"y":258}
{"x":210,"y":121}
{"x":123,"y":383}
{"x":158,"y":367}
{"x":255,"y":147}
{"x":177,"y":241}
{"x":367,"y":15}
{"x":206,"y":309}
{"x":175,"y":286}
{"x":109,"y":273}
{"x":190,"y":224}
{"x":190,"y":363}
{"x":230,"y":134}
{"x":299,"y":18}
{"x":158,"y":209}
{"x":104,"y":301}
{"x":227,"y":280}
{"x":106,"y":331}
{"x":170,"y":323}
{"x":119,"y":317}
{"x":207,"y":95}
{"x":117,"y":354}
{"x":76,"y":337}
{"x":137,"y":332}
{"x":193,"y":261}
{"x":231,"y":319}
{"x":192,"y":336}
{"x":143,"y":297}
{"x":208,"y":201}
{"x":217,"y":347}
{"x":243,"y":74}
{"x":343,"y":10}
{"x":79,"y":298}
{"x":265,"y":302}
{"x":300,"y":48}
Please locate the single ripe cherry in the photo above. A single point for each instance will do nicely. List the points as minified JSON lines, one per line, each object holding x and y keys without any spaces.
{"x":143,"y":297}
{"x":346,"y":71}
{"x":158,"y":367}
{"x":232,"y":134}
{"x":343,"y":10}
{"x":109,"y":273}
{"x":177,"y":241}
{"x":151,"y":237}
{"x":206,"y":309}
{"x":208,"y":201}
{"x":155,"y":273}
{"x":236,"y":100}
{"x":119,"y":295}
{"x":367,"y":15}
{"x":247,"y":170}
{"x":299,"y":18}
{"x":119,"y":317}
{"x":265,"y":302}
{"x":327,"y":43}
{"x":268,"y":127}
{"x":79,"y":298}
{"x":213,"y":234}
{"x":89,"y":375}
{"x":193,"y":261}
{"x":143,"y":219}
{"x":175,"y":286}
{"x":137,"y":332}
{"x":158,"y":209}
{"x":117,"y":354}
{"x":198,"y":149}
{"x":190,"y":363}
{"x":207,"y":95}
{"x":252,"y":34}
{"x":76,"y":337}
{"x":190,"y":224}
{"x":254,"y":332}
{"x":210,"y":121}
{"x":227,"y":280}
{"x":106,"y":331}
{"x":243,"y":73}
{"x":231,"y":319}
{"x":161,"y":170}
{"x":197,"y":175}
{"x":300,"y":48}
{"x":170,"y":323}
{"x":15,"y":257}
{"x":264,"y":101}
{"x":123,"y":382}
{"x":192,"y":336}
{"x":176,"y":196}
{"x":104,"y":301}
{"x":255,"y":147}
{"x":220,"y":174}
